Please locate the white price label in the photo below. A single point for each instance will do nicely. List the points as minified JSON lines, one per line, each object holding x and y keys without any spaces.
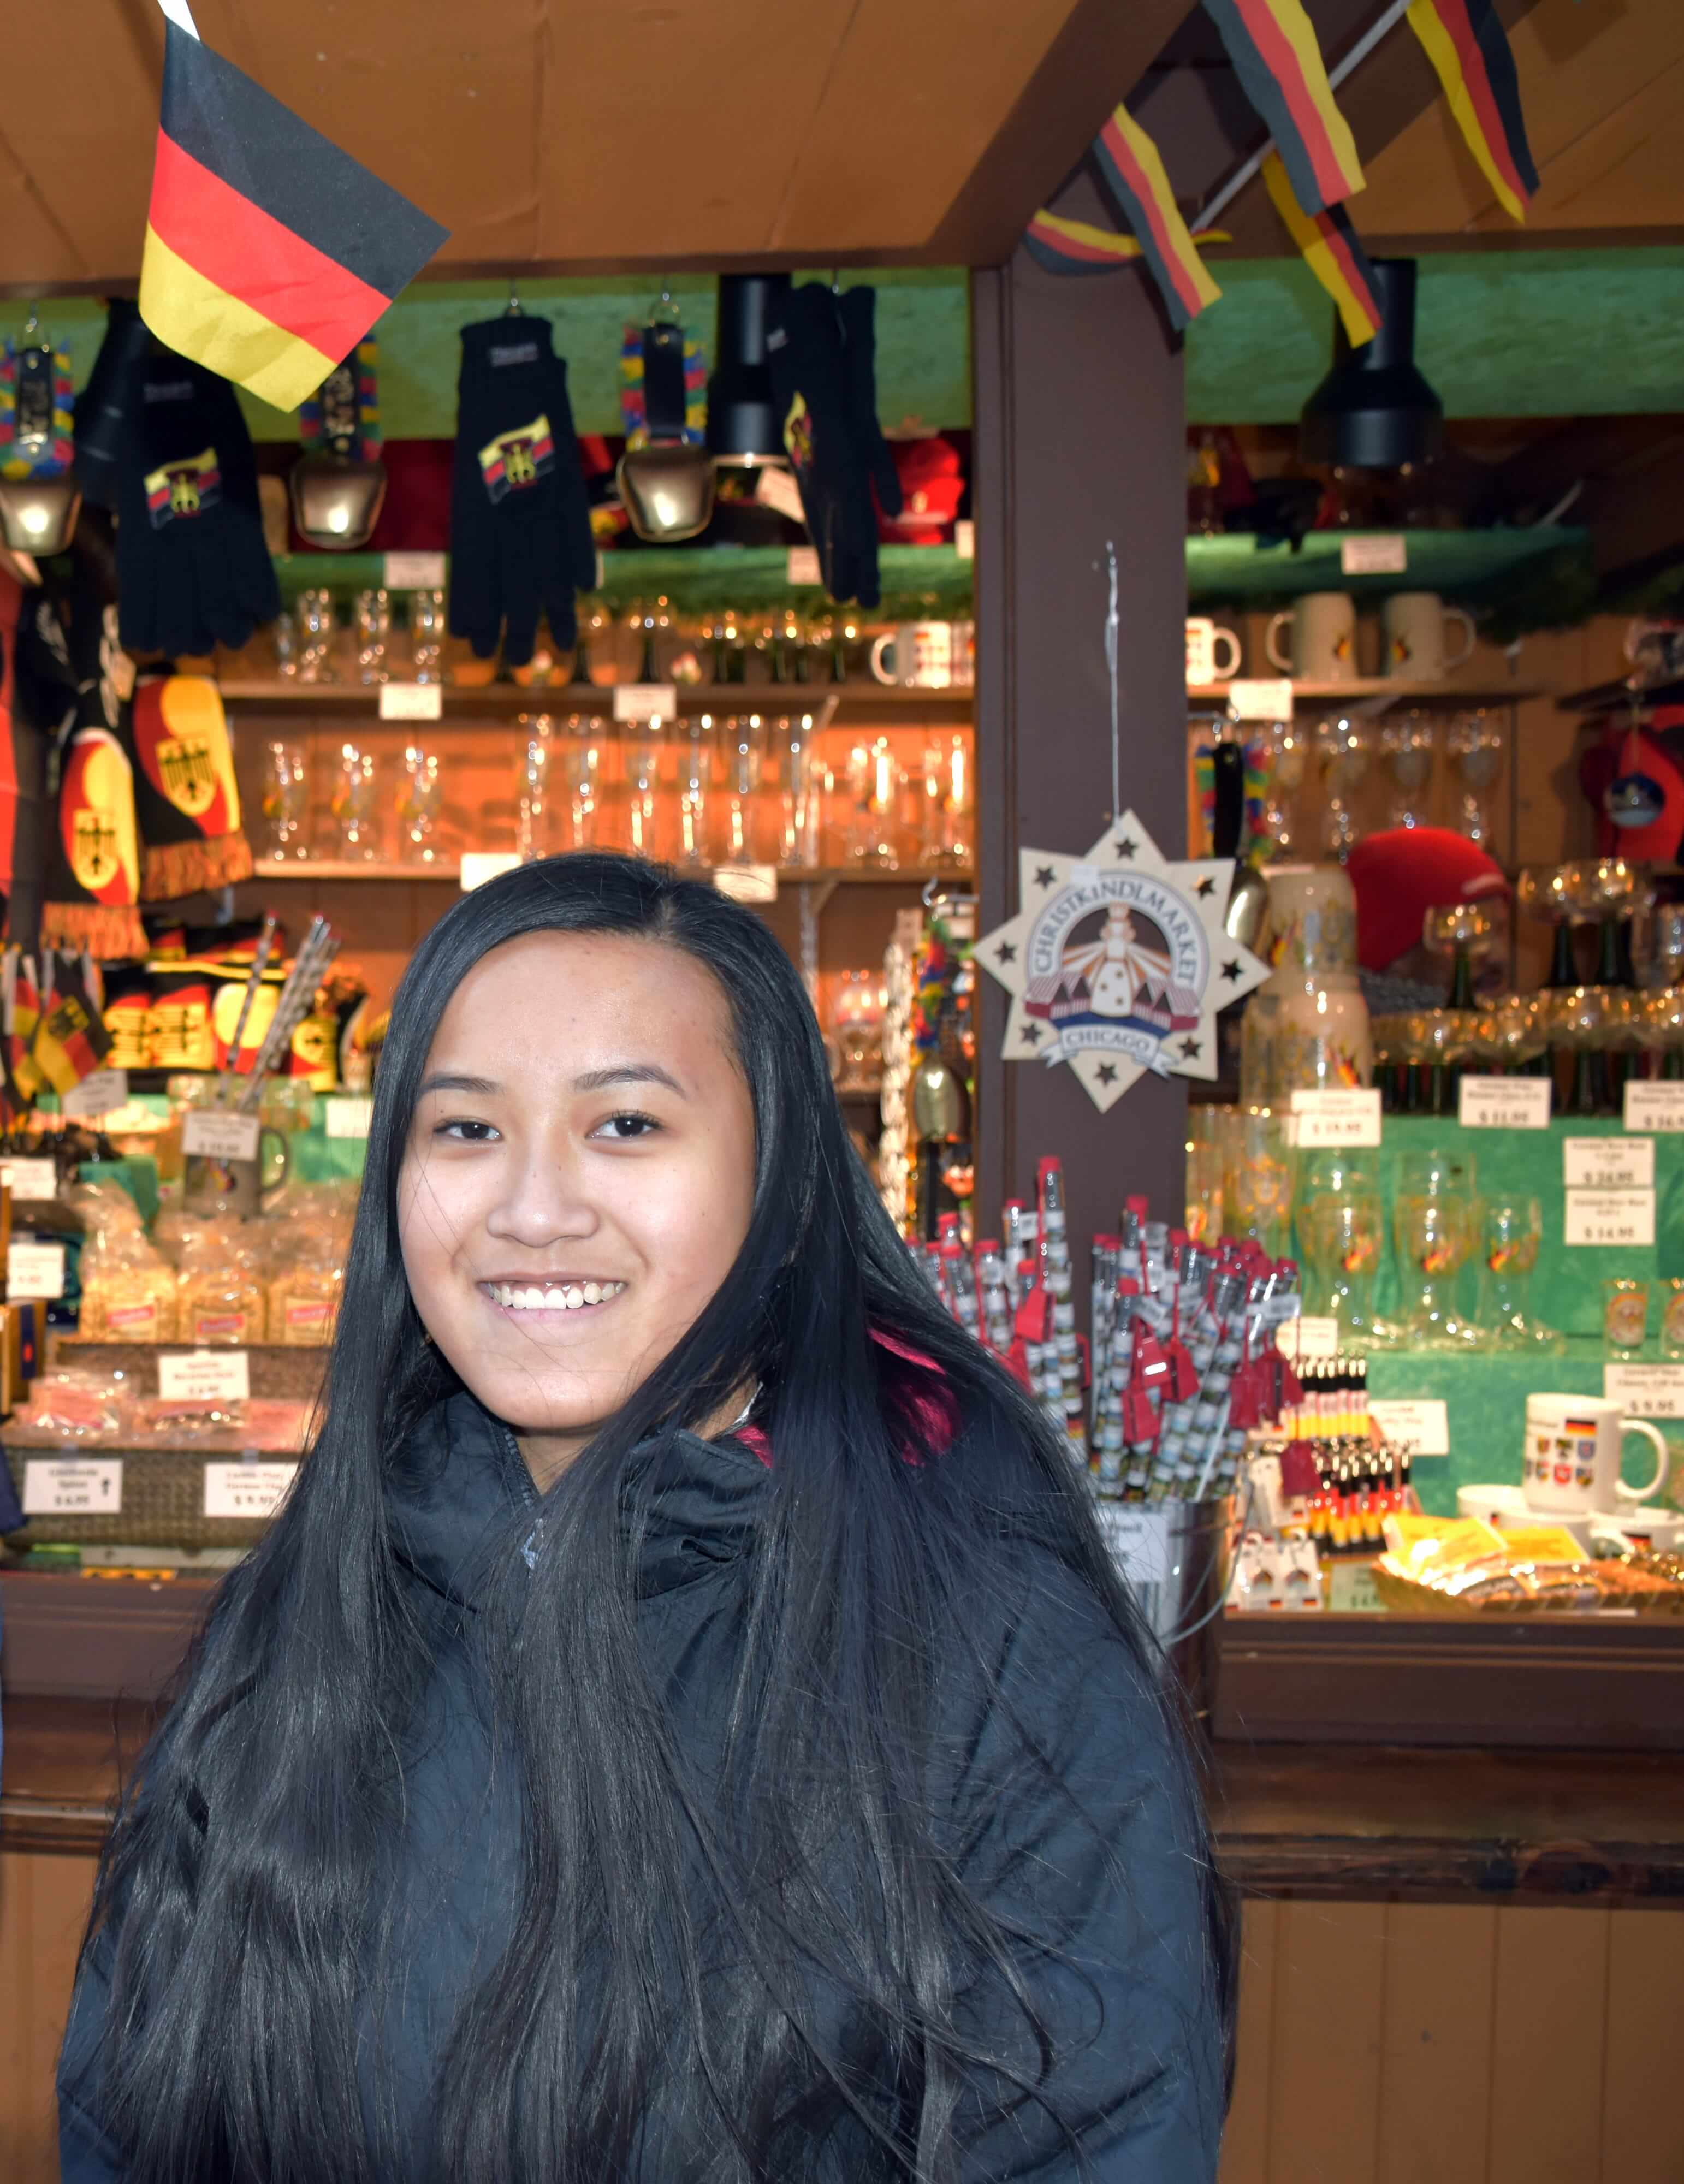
{"x":31,"y":1178}
{"x":60,"y":1486}
{"x":219,"y":1136}
{"x":775,"y":488}
{"x":1383,"y":555}
{"x":646,"y":701}
{"x":1138,"y":1541}
{"x":1334,"y":1118}
{"x":802,"y":566}
{"x":1646,"y":1391}
{"x":1421,"y":1427}
{"x":411,"y":701}
{"x":747,"y":882}
{"x":101,"y":1092}
{"x":479,"y":866}
{"x":1610,"y":1217}
{"x":965,"y":538}
{"x":1608,"y":1163}
{"x":1351,"y":1591}
{"x":1308,"y":1336}
{"x":1260,"y":697}
{"x":415,"y":572}
{"x":1504,"y":1103}
{"x":348,"y":1118}
{"x":246,"y":1489}
{"x":205,"y":1376}
{"x":1654,"y":1107}
{"x":35,"y":1270}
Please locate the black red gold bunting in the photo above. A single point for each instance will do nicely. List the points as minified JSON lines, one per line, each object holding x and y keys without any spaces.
{"x":1077,"y":246}
{"x":269,"y":253}
{"x":1272,"y":48}
{"x":1332,"y":252}
{"x":1470,"y":50}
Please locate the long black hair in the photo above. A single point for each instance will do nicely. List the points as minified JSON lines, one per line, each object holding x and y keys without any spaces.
{"x":235,"y":1890}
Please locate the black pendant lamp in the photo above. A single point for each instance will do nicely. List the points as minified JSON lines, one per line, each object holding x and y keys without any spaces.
{"x":1374,"y":411}
{"x":744,"y":429}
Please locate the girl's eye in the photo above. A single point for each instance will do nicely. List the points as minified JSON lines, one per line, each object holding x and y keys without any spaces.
{"x":466,"y":1132}
{"x":625,"y":1129}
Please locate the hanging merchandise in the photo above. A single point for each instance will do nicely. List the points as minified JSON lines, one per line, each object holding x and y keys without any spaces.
{"x":666,"y":476}
{"x":103,"y":414}
{"x":338,"y":484}
{"x":1271,"y":46}
{"x":35,"y":701}
{"x":932,"y":482}
{"x":820,"y":351}
{"x":1332,"y":252}
{"x":520,"y":541}
{"x":39,"y":497}
{"x":193,"y":568}
{"x":70,"y":1038}
{"x":1133,"y":174}
{"x":269,"y":253}
{"x":185,"y":796}
{"x":22,"y":1013}
{"x":1468,"y":49}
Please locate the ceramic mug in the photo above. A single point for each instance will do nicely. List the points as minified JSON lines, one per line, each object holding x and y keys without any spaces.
{"x":925,"y":656}
{"x":1204,"y":638}
{"x":1313,"y":919}
{"x":1324,"y":626}
{"x":1413,"y":627}
{"x":1571,"y":1462}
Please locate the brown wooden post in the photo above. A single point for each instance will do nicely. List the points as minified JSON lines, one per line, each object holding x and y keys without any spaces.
{"x":1078,"y":439}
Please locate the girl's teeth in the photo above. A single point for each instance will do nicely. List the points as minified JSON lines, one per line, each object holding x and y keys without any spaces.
{"x":574,"y":1297}
{"x":592,"y":1293}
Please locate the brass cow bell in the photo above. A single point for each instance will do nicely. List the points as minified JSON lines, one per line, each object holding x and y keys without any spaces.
{"x":336,"y":500}
{"x":668,"y":488}
{"x":38,"y":515}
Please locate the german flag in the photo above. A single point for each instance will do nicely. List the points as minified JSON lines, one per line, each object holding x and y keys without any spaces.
{"x":269,"y":253}
{"x":1129,"y":162}
{"x":71,"y":1039}
{"x":1332,"y":253}
{"x":1271,"y":46}
{"x":1468,"y":49}
{"x":1076,"y":246}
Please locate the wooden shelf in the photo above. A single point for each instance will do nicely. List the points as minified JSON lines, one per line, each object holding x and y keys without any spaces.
{"x":466,"y":700}
{"x":448,"y":873}
{"x":1383,"y":686}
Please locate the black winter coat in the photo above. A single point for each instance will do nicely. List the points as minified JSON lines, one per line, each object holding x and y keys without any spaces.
{"x":1142,"y":2088}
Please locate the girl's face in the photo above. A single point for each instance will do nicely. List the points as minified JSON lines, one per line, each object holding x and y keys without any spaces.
{"x":578,"y":1178}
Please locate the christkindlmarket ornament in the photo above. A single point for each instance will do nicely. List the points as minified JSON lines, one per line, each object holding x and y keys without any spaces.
{"x":1117,"y":961}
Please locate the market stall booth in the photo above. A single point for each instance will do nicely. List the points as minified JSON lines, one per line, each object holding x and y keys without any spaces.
{"x":1234,"y":871}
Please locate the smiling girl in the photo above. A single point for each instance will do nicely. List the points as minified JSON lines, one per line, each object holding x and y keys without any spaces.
{"x":683,"y":1723}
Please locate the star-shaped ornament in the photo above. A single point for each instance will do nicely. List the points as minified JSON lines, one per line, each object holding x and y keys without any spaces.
{"x":1118,"y":962}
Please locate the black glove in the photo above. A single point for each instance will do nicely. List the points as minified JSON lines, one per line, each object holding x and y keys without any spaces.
{"x":809,"y":385}
{"x":520,"y":523}
{"x":101,"y":414}
{"x":194,"y":568}
{"x":858,"y":309}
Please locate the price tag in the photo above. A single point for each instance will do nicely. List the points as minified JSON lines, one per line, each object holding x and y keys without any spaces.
{"x":348,"y":1118}
{"x":965,"y":538}
{"x":205,"y":1376}
{"x":31,"y":1178}
{"x":219,"y":1136}
{"x":646,"y":701}
{"x":775,"y":488}
{"x":1383,"y":555}
{"x":747,"y":882}
{"x":1422,"y":1427}
{"x":246,"y":1489}
{"x":1504,"y":1103}
{"x":479,"y":866}
{"x":1307,"y":1336}
{"x":1610,"y":1217}
{"x":802,"y":567}
{"x":1654,"y":1107}
{"x":1264,"y":697}
{"x":59,"y":1486}
{"x":35,"y":1270}
{"x":1646,"y":1391}
{"x":1609,"y":1163}
{"x":411,"y":701}
{"x":1334,"y":1118}
{"x":101,"y":1092}
{"x":1351,"y":1591}
{"x":415,"y":572}
{"x":1138,"y":1541}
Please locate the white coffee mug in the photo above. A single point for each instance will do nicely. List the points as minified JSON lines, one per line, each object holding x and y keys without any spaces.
{"x":1324,"y":626}
{"x":1571,"y":1459}
{"x":1204,"y":638}
{"x":1414,"y":625}
{"x":926,"y":655}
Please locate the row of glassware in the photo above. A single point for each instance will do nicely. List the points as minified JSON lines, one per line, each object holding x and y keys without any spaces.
{"x":1243,"y":1176}
{"x":705,"y":790}
{"x":1590,"y":1040}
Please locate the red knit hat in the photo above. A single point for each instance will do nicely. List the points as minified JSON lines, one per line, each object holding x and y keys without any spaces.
{"x":1399,"y":875}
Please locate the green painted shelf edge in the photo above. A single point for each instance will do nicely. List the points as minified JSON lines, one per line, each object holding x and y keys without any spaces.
{"x":1478,"y":566}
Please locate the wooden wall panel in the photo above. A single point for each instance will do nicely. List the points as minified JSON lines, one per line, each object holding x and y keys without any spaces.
{"x":1435,"y":2049}
{"x":1643,"y":2118}
{"x":1547,"y":2058}
{"x":1324,"y":2063}
{"x":1245,"y":2145}
{"x":43,"y":1906}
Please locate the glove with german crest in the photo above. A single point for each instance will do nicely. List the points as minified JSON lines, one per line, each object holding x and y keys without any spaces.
{"x":520,"y":540}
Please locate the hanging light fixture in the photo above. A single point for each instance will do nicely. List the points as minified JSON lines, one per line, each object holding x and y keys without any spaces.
{"x":1373,"y":411}
{"x":744,"y":429}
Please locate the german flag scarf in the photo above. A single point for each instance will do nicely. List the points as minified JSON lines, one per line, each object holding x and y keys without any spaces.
{"x":185,"y":797}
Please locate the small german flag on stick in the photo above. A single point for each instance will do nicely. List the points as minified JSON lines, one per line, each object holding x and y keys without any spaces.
{"x":269,"y":253}
{"x":1332,"y":253}
{"x":1469,"y":47}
